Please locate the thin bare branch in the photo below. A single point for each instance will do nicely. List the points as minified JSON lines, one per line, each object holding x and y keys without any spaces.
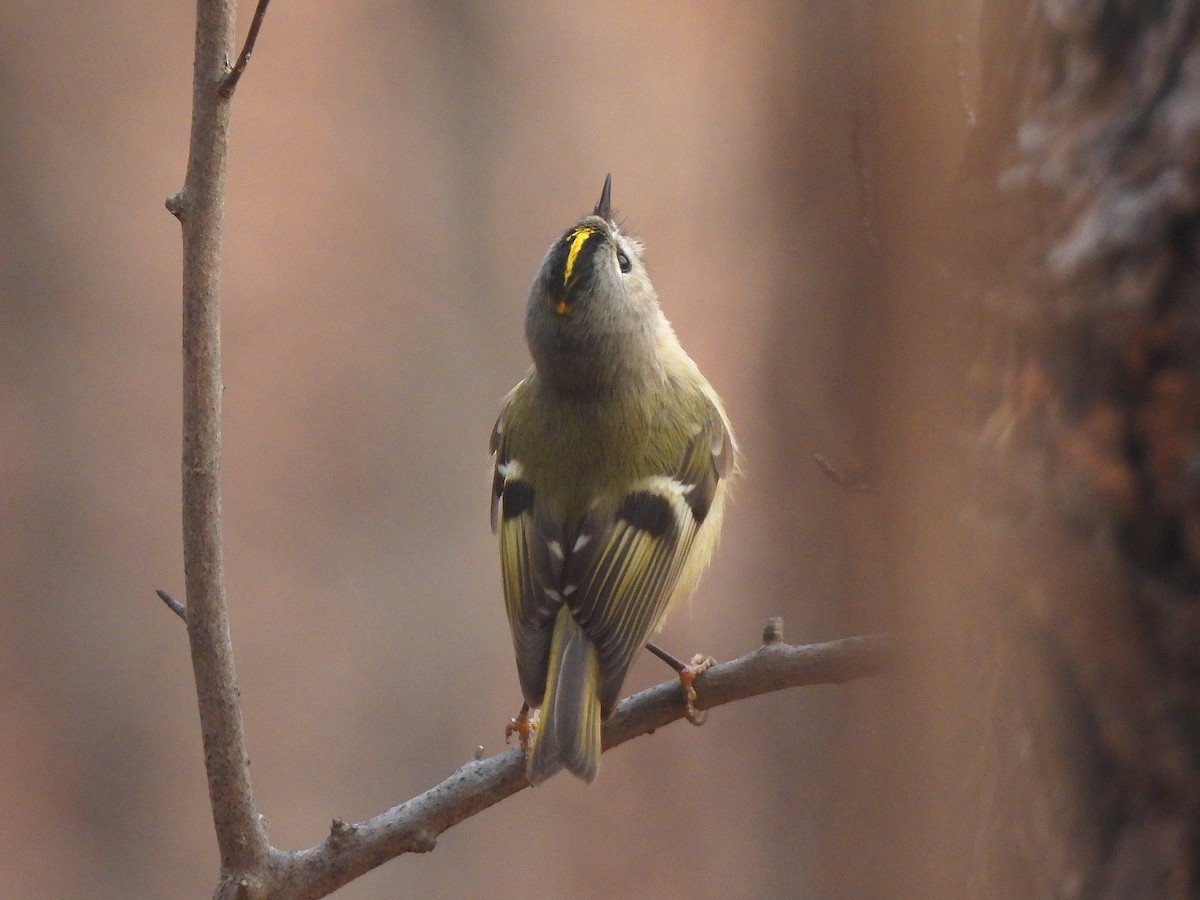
{"x":174,"y":605}
{"x":235,"y":74}
{"x":414,"y":826}
{"x":241,"y":838}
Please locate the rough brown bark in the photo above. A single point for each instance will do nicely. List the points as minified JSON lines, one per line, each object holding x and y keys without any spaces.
{"x":1095,"y":435}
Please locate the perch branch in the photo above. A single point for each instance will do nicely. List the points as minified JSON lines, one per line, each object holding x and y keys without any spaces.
{"x":414,"y":826}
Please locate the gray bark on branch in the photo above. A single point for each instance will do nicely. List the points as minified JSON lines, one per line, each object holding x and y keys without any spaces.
{"x":414,"y":826}
{"x":241,"y":838}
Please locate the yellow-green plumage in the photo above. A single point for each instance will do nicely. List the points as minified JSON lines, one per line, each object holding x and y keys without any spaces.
{"x":611,"y":459}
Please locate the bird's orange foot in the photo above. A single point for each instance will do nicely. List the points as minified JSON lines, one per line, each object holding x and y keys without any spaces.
{"x":688,"y":674}
{"x":522,"y":727}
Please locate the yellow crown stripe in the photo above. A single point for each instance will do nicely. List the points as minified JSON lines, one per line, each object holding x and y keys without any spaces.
{"x":579,"y":237}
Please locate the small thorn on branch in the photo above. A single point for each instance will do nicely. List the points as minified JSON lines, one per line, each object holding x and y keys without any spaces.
{"x":235,"y":74}
{"x":174,"y":605}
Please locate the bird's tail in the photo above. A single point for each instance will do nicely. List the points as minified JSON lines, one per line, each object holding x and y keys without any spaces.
{"x":568,"y":731}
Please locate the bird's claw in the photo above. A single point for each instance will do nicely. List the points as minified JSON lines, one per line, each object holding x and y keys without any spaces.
{"x":687,"y":675}
{"x":522,"y":726}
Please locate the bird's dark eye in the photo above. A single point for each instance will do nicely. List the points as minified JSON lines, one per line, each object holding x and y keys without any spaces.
{"x":623,"y":262}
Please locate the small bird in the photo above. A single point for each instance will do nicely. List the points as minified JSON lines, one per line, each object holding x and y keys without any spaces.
{"x":611,"y":463}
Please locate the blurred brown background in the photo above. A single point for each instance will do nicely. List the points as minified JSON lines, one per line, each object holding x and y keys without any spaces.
{"x":397,"y":171}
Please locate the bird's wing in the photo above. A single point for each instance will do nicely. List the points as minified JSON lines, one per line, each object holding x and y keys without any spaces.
{"x":621,"y":568}
{"x":527,"y":536}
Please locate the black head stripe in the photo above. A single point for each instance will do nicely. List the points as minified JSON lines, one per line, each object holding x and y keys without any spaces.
{"x":558,"y":264}
{"x":649,"y":512}
{"x":580,"y":264}
{"x":517,"y":498}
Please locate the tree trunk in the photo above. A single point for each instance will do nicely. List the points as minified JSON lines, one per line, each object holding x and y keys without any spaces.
{"x":1089,"y":488}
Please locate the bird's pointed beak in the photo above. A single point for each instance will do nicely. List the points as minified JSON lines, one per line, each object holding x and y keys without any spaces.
{"x":604,"y":207}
